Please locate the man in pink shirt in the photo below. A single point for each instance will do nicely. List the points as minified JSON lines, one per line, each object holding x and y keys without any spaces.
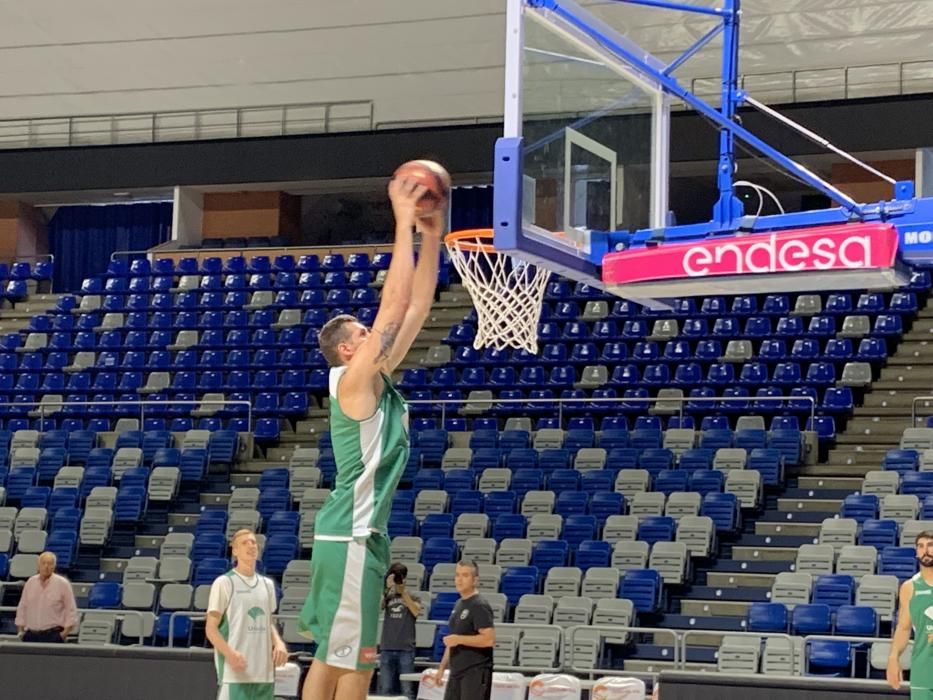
{"x":47,"y":611}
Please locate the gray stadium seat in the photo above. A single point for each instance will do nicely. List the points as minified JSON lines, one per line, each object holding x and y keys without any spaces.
{"x":177,"y":544}
{"x":163,"y":483}
{"x":681,"y":503}
{"x":260,"y":299}
{"x":620,"y":528}
{"x":697,"y":533}
{"x":647,"y":503}
{"x":632,"y":481}
{"x":538,"y":502}
{"x":539,"y":648}
{"x":782,"y":657}
{"x":917,"y":439}
{"x":573,"y":610}
{"x":791,"y":588}
{"x":32,"y":541}
{"x":457,"y":458}
{"x":900,"y":507}
{"x":176,"y":596}
{"x":600,"y":582}
{"x":544,"y":527}
{"x":82,"y":360}
{"x":514,"y":552}
{"x":437,"y":356}
{"x":494,"y":479}
{"x":563,"y":580}
{"x":96,"y":629}
{"x":838,"y":532}
{"x":739,"y":655}
{"x":630,"y":555}
{"x":855,"y":327}
{"x":880,"y":593}
{"x":243,"y":497}
{"x":470,"y":525}
{"x":548,"y":438}
{"x":177,"y":569}
{"x":855,"y":374}
{"x":297,"y":573}
{"x":442,"y":578}
{"x":406,"y":548}
{"x":312,"y":499}
{"x":534,"y":609}
{"x":590,"y":458}
{"x":856,"y":560}
{"x":482,"y":550}
{"x":140,"y":569}
{"x":155,"y":382}
{"x":808,"y":305}
{"x":679,"y":440}
{"x":138,"y":595}
{"x":670,"y":559}
{"x":738,"y":351}
{"x":880,"y":483}
{"x":30,"y":519}
{"x":746,"y":485}
{"x":816,"y":559}
{"x":430,"y":501}
{"x":911,"y":528}
{"x":729,"y":458}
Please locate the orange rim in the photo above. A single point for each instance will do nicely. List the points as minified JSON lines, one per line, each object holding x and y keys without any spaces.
{"x":470,"y":240}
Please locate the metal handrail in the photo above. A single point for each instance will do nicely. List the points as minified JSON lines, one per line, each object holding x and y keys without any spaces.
{"x":119,"y":614}
{"x":913,"y":407}
{"x":623,"y":630}
{"x":43,"y":408}
{"x":202,"y":615}
{"x":680,"y":400}
{"x":150,"y":127}
{"x":685,"y":634}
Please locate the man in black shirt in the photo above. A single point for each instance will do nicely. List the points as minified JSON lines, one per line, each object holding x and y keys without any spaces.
{"x":470,"y":641}
{"x":397,"y":648}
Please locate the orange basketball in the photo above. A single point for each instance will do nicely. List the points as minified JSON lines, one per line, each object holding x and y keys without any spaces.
{"x":433,"y":176}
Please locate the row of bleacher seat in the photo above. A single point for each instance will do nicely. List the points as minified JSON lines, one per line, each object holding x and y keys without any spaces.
{"x":238,"y":264}
{"x":787,"y":328}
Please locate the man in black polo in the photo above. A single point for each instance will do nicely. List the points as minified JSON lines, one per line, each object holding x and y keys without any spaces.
{"x":470,"y":641}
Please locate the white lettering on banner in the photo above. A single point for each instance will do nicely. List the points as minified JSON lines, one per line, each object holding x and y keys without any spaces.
{"x":774,"y":255}
{"x":856,"y":246}
{"x":915,"y":237}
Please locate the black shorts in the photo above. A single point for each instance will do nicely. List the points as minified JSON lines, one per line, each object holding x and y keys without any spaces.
{"x":473,"y":684}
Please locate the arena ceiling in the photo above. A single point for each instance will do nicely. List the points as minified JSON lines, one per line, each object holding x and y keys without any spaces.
{"x":417,"y":60}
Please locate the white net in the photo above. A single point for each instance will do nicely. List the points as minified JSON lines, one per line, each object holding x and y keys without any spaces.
{"x":507,"y":293}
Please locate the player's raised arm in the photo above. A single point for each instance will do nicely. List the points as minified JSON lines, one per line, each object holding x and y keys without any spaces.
{"x":422,"y":289}
{"x":359,"y":387}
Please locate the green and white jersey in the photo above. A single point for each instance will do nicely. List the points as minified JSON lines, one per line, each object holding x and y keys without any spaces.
{"x":371,"y":456}
{"x":246,"y":605}
{"x":921,"y":617}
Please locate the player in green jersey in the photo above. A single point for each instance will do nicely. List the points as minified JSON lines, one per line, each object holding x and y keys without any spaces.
{"x":369,"y":431}
{"x":915,"y":610}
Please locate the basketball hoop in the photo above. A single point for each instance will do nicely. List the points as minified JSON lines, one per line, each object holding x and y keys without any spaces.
{"x":506,"y":291}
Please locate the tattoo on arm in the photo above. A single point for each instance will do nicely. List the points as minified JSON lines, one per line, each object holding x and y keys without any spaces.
{"x":387,"y":340}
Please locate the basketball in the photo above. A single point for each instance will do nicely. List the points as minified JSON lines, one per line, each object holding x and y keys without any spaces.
{"x":433,"y":176}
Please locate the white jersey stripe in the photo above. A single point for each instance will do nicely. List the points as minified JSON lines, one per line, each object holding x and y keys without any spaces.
{"x":364,"y":490}
{"x":343,"y":644}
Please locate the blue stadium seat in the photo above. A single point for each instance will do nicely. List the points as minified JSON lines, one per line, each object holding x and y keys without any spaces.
{"x":834,"y":590}
{"x":547,"y":554}
{"x":516,"y":581}
{"x":644,"y":588}
{"x":656,"y":528}
{"x":767,"y":617}
{"x":811,"y":619}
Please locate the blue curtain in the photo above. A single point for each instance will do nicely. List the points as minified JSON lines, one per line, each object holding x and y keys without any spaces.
{"x":82,"y":238}
{"x":471,"y":207}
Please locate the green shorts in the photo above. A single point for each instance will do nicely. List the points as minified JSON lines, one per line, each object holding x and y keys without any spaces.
{"x":342,"y":610}
{"x":246,"y":691}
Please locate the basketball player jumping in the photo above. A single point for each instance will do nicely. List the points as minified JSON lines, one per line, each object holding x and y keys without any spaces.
{"x":369,"y":430}
{"x":915,"y":609}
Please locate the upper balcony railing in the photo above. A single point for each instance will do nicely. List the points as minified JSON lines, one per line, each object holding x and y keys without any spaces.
{"x":775,"y":87}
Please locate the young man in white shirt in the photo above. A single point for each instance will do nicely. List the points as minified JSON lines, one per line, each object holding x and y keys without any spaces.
{"x":247,"y":645}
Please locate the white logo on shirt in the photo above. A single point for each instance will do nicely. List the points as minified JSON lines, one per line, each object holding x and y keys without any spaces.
{"x":464,"y":614}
